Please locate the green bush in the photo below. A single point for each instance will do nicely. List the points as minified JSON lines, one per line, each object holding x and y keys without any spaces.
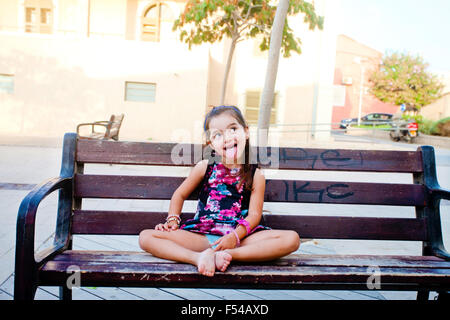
{"x":425,"y":126}
{"x":434,"y":127}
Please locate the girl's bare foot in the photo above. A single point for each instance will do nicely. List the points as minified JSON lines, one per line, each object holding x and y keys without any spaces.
{"x":223,"y":260}
{"x":205,"y":263}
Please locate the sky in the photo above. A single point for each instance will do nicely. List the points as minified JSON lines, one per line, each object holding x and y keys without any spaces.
{"x":417,"y":27}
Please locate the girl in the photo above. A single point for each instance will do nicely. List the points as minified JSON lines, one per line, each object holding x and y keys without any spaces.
{"x":226,"y":225}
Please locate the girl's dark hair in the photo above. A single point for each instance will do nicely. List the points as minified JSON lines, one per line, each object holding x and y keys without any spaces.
{"x":245,"y":174}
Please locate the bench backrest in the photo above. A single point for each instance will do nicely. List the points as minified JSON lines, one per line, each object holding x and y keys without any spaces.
{"x":101,"y":186}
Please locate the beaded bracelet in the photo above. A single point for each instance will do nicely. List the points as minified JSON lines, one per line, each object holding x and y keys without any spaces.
{"x":173,"y":217}
{"x":245,"y":224}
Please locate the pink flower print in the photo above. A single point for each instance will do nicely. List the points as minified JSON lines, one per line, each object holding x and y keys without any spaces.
{"x":218,"y":194}
{"x":212,"y":205}
{"x":237,"y":207}
{"x":221,"y":175}
{"x":228,"y":212}
{"x":205,"y":224}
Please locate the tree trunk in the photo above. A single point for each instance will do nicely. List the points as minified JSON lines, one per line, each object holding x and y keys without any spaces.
{"x":271,"y":73}
{"x":227,"y":70}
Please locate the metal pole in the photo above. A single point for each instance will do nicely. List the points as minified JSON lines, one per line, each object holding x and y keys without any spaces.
{"x":361,"y":86}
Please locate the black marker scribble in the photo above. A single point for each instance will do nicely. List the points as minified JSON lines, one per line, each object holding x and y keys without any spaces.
{"x":337,"y":194}
{"x":303,"y":189}
{"x":333,"y":191}
{"x":329,"y":158}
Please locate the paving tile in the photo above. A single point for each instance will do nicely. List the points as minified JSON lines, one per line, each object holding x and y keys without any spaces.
{"x":5,"y":296}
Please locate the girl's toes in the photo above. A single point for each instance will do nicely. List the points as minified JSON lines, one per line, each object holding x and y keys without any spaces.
{"x":223,"y":260}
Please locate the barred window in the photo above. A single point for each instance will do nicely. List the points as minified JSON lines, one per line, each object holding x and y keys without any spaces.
{"x":252,"y":101}
{"x":140,"y":91}
{"x":6,"y":83}
{"x":155,"y":15}
{"x":38,"y":16}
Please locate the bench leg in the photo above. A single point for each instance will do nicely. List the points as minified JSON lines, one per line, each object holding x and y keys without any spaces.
{"x":25,"y":293}
{"x":423,"y":295}
{"x":65,"y":293}
{"x":25,"y":284}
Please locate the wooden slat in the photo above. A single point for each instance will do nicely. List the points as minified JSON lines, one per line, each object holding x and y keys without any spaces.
{"x":318,"y":227}
{"x":325,"y":227}
{"x":150,"y":187}
{"x":147,"y":153}
{"x":386,"y":261}
{"x":132,"y":272}
{"x":127,"y":187}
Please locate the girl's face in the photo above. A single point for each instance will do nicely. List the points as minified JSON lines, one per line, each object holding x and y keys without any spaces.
{"x":228,"y":138}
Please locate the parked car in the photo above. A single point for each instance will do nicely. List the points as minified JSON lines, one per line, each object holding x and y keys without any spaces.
{"x":367,"y":119}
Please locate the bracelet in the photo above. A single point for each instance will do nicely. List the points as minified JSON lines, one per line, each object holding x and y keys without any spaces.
{"x":245,"y":224}
{"x":173,"y":217}
{"x":238,"y":241}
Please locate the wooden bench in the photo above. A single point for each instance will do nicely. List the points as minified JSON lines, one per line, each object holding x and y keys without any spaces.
{"x":110,"y":129}
{"x":422,"y":273}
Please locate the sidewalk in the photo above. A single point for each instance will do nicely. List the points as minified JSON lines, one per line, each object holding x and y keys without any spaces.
{"x":24,"y":163}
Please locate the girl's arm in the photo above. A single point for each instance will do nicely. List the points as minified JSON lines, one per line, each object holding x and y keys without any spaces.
{"x":184,"y":190}
{"x":256,"y":202}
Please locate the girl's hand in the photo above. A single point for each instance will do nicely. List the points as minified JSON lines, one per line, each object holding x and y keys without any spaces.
{"x":226,"y":242}
{"x":168,"y":226}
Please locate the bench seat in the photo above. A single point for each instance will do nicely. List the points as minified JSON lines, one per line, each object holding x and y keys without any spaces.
{"x":106,"y":268}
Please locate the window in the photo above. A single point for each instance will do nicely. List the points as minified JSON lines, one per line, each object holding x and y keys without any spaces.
{"x":252,"y":100}
{"x":140,"y":91}
{"x":38,"y":16}
{"x":154,"y":16}
{"x":6,"y":83}
{"x":339,"y":96}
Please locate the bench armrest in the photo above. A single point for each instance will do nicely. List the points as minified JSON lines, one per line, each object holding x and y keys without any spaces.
{"x":438,"y":194}
{"x":442,"y":253}
{"x":93,"y":124}
{"x":27,"y":217}
{"x":441,"y":193}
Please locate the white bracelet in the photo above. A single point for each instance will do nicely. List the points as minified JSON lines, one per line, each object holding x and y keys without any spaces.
{"x":173,"y":217}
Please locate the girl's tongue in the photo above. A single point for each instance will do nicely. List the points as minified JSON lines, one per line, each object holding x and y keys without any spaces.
{"x":231,"y":152}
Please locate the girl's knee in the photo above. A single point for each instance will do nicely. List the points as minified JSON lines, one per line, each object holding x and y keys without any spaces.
{"x":292,"y":240}
{"x":145,"y":237}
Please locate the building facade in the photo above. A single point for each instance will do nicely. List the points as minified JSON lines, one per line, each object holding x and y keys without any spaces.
{"x":439,"y":109}
{"x":64,"y":62}
{"x":354,"y":64}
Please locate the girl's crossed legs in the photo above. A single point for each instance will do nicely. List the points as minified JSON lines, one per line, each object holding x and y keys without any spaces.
{"x":189,"y":247}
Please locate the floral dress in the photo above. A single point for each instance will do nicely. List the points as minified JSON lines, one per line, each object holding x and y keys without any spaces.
{"x":221,"y":204}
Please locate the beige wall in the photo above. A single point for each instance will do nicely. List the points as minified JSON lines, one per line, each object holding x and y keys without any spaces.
{"x":441,"y":108}
{"x":67,"y":78}
{"x":437,"y":110}
{"x":78,"y":73}
{"x":9,"y":20}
